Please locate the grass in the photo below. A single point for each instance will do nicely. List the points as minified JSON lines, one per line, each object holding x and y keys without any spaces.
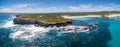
{"x":44,"y":18}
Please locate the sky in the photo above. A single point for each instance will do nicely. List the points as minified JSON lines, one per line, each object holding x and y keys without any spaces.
{"x":49,"y":6}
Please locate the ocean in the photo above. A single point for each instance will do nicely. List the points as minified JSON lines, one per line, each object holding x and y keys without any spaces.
{"x":103,"y":33}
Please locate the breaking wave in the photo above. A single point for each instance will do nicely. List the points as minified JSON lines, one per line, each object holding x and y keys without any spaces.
{"x":27,"y":32}
{"x":7,"y":23}
{"x":30,"y":32}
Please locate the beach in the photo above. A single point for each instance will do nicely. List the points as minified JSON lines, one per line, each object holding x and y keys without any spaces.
{"x":71,"y":17}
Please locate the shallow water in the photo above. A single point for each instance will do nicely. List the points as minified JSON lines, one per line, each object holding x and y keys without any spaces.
{"x":107,"y":34}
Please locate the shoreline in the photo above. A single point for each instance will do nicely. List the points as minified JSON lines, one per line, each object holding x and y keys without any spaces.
{"x":40,"y":23}
{"x":71,"y":17}
{"x":113,"y":15}
{"x":107,"y":16}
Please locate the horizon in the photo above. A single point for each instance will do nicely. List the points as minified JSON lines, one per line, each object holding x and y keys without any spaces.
{"x":55,"y":12}
{"x":58,"y":6}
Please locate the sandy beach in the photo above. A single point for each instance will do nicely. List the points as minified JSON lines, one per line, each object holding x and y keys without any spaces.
{"x":71,"y":17}
{"x":113,"y":15}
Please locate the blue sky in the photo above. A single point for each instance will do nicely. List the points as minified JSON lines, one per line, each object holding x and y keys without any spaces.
{"x":43,"y":6}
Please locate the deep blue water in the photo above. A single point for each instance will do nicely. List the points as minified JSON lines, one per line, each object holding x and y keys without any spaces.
{"x":106,"y":35}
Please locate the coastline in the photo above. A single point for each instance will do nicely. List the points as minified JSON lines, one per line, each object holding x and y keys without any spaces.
{"x":18,"y":20}
{"x":71,"y":17}
{"x":107,"y":16}
{"x":113,"y":15}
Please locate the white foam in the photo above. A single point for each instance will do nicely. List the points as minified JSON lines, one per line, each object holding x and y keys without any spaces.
{"x":8,"y":23}
{"x":28,"y":32}
{"x":72,"y":28}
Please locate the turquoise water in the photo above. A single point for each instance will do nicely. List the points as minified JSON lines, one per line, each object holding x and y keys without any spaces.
{"x":114,"y":29}
{"x":115,"y":32}
{"x":108,"y":35}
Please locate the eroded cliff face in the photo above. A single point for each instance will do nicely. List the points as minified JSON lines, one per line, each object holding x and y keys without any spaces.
{"x":39,"y":23}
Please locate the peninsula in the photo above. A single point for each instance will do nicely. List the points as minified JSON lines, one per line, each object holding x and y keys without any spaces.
{"x":55,"y":19}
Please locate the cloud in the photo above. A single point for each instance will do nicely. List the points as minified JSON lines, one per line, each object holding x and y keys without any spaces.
{"x":29,"y":8}
{"x":91,"y":8}
{"x":23,"y":5}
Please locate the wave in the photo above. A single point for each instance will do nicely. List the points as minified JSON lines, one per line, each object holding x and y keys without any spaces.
{"x":31,"y":32}
{"x":28,"y":32}
{"x":7,"y":23}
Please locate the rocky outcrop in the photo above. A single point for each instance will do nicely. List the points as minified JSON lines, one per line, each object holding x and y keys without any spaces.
{"x":38,"y":23}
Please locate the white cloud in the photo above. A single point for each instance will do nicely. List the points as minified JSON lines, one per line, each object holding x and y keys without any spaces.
{"x":91,"y":8}
{"x":21,"y":5}
{"x":5,"y":9}
{"x":29,"y":8}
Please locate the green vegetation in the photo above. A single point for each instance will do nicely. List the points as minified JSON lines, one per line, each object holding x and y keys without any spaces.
{"x":56,"y":17}
{"x":44,"y":18}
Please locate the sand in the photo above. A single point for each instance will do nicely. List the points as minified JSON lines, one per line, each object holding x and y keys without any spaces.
{"x":71,"y":17}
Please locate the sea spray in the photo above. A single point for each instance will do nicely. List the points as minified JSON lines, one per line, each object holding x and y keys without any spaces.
{"x":8,"y":23}
{"x":31,"y":32}
{"x":27,"y":32}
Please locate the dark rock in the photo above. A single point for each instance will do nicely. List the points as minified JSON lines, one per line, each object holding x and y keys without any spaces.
{"x":17,"y":15}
